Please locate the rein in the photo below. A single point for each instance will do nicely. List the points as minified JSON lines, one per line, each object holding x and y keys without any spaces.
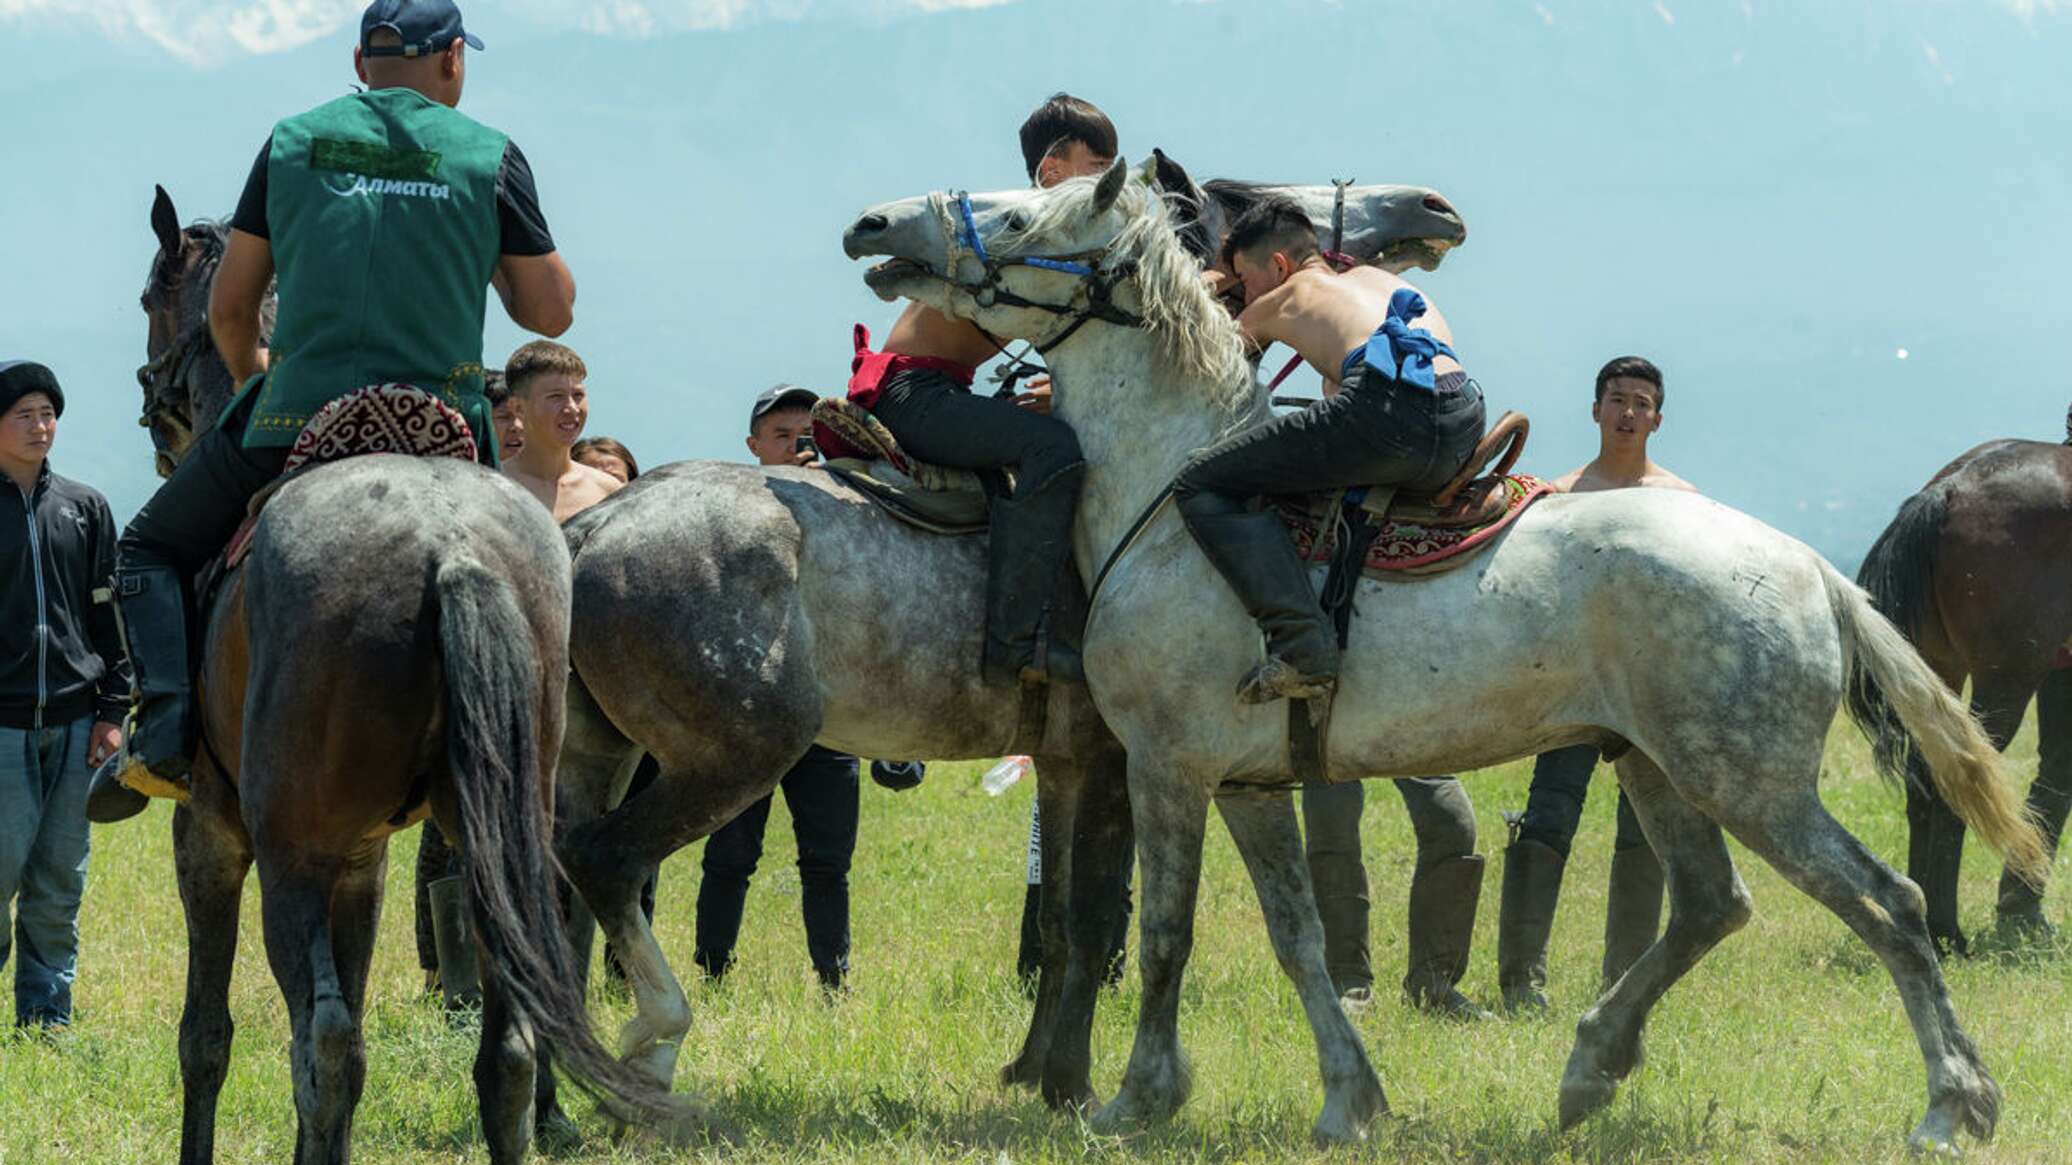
{"x":172,"y":370}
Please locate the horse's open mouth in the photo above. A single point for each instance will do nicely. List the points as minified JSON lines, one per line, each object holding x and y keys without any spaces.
{"x":885,"y":278}
{"x":1401,"y":256}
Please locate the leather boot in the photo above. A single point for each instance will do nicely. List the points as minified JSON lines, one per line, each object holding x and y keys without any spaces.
{"x":460,"y":978}
{"x":1633,"y":913}
{"x":1443,"y":897}
{"x":1532,"y":886}
{"x":158,"y":744}
{"x":1029,"y":548}
{"x":1253,"y":553}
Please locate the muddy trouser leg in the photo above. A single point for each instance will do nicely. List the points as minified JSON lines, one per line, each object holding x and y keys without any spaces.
{"x":1633,"y":914}
{"x":1533,"y":865}
{"x":1444,"y":892}
{"x":937,"y":420}
{"x":1331,"y":841}
{"x":186,"y":523}
{"x":2050,"y":797}
{"x":1384,"y":435}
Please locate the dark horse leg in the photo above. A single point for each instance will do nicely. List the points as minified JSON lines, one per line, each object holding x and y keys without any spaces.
{"x":327,"y":1060}
{"x":2021,"y":905}
{"x":1935,"y":836}
{"x":1087,"y":849}
{"x":212,"y":857}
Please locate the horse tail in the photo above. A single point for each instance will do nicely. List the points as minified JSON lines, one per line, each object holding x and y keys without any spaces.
{"x":1899,"y":574}
{"x":493,"y":697}
{"x":1967,"y":772}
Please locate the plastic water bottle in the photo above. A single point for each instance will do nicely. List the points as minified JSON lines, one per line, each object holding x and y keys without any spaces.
{"x":1002,"y":776}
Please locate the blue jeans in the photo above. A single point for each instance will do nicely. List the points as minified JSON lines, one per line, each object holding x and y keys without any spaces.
{"x":43,"y":842}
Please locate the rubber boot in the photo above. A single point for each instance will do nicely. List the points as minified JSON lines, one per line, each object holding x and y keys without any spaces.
{"x":1525,"y":920}
{"x":1253,"y":553}
{"x":1633,"y":913}
{"x":460,"y":978}
{"x":1029,"y":547}
{"x":158,"y":742}
{"x":1443,"y":897}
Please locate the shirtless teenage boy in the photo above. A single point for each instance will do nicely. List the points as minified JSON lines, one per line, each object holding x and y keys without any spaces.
{"x":1398,"y":410}
{"x":546,"y":381}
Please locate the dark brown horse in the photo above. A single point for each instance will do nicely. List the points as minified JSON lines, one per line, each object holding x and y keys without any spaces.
{"x":1976,"y":569}
{"x":395,"y":646}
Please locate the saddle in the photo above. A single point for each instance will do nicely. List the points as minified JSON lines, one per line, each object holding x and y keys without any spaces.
{"x":935,"y":498}
{"x":380,"y":418}
{"x":1405,"y":535}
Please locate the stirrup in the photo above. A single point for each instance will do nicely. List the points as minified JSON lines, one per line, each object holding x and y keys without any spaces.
{"x":133,"y":774}
{"x":1277,"y":679}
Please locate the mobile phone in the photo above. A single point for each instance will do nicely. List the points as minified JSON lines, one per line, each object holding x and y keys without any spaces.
{"x":804,"y":444}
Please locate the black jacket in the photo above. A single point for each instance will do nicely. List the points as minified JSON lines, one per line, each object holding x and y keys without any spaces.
{"x":60,"y":656}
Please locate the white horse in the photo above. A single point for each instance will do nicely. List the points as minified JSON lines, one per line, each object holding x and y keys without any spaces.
{"x":1726,"y":705}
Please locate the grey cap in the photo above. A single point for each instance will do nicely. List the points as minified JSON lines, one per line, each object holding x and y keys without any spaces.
{"x":779,"y":396}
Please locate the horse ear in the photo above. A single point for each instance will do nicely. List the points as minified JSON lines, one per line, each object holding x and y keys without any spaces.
{"x":165,"y":222}
{"x":1172,"y":177}
{"x":1110,"y":186}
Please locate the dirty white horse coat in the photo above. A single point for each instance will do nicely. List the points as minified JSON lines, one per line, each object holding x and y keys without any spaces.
{"x":1727,"y":713}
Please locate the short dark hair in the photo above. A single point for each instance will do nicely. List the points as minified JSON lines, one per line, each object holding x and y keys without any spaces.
{"x":1060,"y":121}
{"x":542,"y":358}
{"x":495,"y":387}
{"x":1276,"y":221}
{"x":608,"y":447}
{"x":1633,"y":367}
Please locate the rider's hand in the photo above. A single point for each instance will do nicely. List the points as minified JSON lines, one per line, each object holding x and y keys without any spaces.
{"x":101,"y":741}
{"x":805,"y":457}
{"x":1037,"y":399}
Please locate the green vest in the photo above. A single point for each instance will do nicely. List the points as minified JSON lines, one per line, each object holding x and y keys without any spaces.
{"x":382,"y":209}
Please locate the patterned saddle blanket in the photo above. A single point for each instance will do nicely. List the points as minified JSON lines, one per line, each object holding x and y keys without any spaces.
{"x":380,"y":418}
{"x":928,"y":497}
{"x":1409,"y":536}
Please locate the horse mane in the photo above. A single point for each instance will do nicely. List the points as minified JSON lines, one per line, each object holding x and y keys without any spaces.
{"x":1193,"y":331}
{"x":212,"y":235}
{"x":1237,"y":197}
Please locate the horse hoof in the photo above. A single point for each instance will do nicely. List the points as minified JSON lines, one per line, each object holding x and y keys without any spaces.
{"x":1116,"y":1118}
{"x":1932,"y":1139}
{"x":1074,"y":1098}
{"x":556,"y":1135}
{"x":1583,"y":1094}
{"x":1019,"y":1073}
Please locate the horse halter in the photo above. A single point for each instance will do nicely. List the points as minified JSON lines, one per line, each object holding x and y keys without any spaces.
{"x":170,"y":373}
{"x":1095,"y":301}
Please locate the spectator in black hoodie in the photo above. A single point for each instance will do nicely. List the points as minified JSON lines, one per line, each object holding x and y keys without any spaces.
{"x":63,"y":686}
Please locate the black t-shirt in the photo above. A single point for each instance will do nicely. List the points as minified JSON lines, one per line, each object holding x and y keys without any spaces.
{"x":521,"y":226}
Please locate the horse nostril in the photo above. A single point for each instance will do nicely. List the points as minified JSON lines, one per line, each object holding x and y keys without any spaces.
{"x":1438,"y":205}
{"x":872,"y":223}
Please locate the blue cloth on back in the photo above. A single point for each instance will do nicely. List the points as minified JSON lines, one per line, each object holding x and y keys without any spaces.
{"x":1397,"y":350}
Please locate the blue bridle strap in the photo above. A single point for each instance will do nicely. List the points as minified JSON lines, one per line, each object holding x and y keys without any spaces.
{"x":969,"y":225}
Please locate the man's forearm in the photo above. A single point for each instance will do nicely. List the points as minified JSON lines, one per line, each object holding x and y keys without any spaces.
{"x":237,"y":341}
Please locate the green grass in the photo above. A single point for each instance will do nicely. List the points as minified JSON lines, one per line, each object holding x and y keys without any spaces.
{"x":1786,"y":1044}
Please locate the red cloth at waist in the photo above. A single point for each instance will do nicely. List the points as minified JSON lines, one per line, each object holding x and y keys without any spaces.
{"x":869,"y":370}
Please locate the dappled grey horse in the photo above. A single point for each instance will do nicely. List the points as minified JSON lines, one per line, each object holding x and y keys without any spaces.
{"x":1722,"y":719}
{"x":394,"y":646}
{"x":727,"y":616}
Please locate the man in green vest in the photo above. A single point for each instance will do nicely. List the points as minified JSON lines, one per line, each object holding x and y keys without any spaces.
{"x":386,"y":216}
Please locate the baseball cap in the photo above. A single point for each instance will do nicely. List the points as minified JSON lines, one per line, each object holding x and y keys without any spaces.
{"x":779,"y":396}
{"x":426,"y":26}
{"x":19,"y":378}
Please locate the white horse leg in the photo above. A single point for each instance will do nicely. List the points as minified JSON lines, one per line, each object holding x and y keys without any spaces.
{"x":1263,"y":826}
{"x":1707,"y":902}
{"x":1172,"y":814}
{"x":1812,"y":850}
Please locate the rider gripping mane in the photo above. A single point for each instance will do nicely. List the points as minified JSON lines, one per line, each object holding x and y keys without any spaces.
{"x":387,"y":215}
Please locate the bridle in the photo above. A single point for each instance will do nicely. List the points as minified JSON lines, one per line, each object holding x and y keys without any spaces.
{"x":1093,"y":301}
{"x":168,"y":376}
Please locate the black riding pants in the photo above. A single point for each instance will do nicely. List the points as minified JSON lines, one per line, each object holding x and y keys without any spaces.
{"x":939,"y":420}
{"x":821,"y":792}
{"x":1371,"y":432}
{"x":1554,"y":802}
{"x":191,"y":517}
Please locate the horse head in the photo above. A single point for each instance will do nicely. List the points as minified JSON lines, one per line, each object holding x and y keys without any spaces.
{"x":1397,"y":227}
{"x":185,"y":382}
{"x":1041,"y":264}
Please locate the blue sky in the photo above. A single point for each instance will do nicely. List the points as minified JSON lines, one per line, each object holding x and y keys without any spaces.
{"x":1771,"y":200}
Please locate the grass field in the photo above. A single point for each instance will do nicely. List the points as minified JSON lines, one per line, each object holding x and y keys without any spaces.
{"x":1786,"y":1044}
